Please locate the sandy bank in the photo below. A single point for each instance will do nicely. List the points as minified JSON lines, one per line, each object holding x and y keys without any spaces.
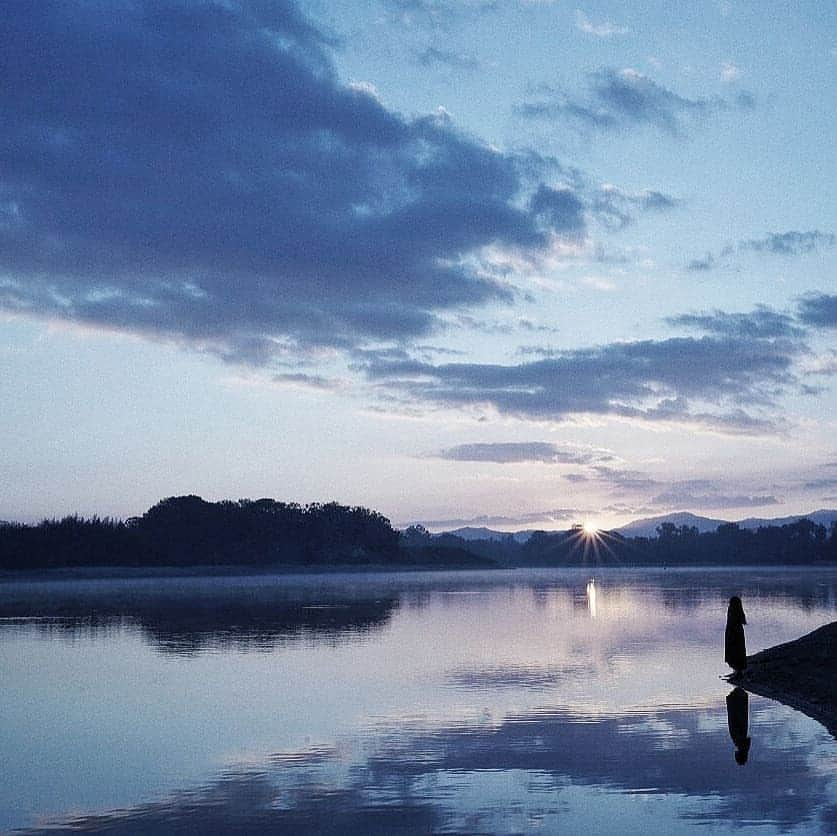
{"x":801,"y":674}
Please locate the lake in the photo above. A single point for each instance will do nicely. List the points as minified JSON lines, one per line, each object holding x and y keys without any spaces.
{"x":460,"y":702}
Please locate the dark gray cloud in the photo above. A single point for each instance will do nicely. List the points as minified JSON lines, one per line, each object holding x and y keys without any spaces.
{"x":616,"y":99}
{"x":714,"y":380}
{"x":524,"y":451}
{"x":197,"y":172}
{"x":792,"y":243}
{"x":699,"y":493}
{"x":819,"y":310}
{"x":762,"y":323}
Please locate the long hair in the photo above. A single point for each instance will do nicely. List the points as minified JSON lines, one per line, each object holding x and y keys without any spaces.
{"x":735,"y":611}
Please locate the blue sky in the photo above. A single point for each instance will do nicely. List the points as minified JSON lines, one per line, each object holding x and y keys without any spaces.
{"x":517,"y":263}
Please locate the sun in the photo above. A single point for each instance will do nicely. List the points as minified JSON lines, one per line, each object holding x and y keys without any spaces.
{"x":590,"y":529}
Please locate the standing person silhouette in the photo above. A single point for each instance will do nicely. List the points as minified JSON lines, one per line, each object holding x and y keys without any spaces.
{"x":735,"y":650}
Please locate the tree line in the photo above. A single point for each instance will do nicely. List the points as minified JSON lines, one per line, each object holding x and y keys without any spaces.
{"x":190,"y":531}
{"x":801,"y":542}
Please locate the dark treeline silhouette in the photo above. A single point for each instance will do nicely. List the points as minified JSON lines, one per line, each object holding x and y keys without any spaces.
{"x":802,"y":542}
{"x":189,"y":531}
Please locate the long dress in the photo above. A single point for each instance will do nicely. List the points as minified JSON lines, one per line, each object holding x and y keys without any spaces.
{"x":735,"y":650}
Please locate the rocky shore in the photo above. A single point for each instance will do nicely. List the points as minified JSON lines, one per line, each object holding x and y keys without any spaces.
{"x":800,"y":673}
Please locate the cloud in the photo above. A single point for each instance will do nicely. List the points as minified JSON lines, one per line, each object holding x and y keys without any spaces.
{"x":823,"y":484}
{"x":435,"y":13}
{"x":617,"y":99}
{"x":198,"y":173}
{"x":791,"y":243}
{"x":605,"y":29}
{"x":762,"y":323}
{"x":548,"y":517}
{"x":699,"y":493}
{"x":434,"y":56}
{"x":526,"y":451}
{"x":615,"y":207}
{"x":624,"y":479}
{"x":819,"y":310}
{"x":714,"y":381}
{"x":705,"y":263}
{"x":730,"y":71}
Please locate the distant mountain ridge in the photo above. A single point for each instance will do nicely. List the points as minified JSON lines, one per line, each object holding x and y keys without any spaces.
{"x":482,"y":533}
{"x":647,"y":527}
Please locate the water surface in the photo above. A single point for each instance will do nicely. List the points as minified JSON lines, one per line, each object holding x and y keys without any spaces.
{"x":494,"y":702}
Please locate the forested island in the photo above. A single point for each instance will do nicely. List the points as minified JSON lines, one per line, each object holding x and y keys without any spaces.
{"x":190,"y":531}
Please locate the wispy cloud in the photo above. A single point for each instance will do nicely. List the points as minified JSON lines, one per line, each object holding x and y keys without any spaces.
{"x":617,"y":99}
{"x":603,"y":29}
{"x":547,"y":517}
{"x":435,"y":13}
{"x":435,"y":56}
{"x":525,"y":451}
{"x":702,"y":494}
{"x":791,"y":243}
{"x":616,"y":208}
{"x":730,"y":71}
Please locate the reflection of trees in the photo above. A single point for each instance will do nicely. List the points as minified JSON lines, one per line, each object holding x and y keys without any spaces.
{"x":190,"y":622}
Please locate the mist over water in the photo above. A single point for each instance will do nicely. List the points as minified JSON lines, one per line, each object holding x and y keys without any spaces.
{"x":529,"y":700}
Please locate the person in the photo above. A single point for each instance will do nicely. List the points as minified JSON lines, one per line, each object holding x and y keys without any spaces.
{"x":735,"y":650}
{"x":738,"y":711}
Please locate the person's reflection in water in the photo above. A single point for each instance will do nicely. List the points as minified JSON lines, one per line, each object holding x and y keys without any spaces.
{"x":735,"y":650}
{"x":738,"y":720}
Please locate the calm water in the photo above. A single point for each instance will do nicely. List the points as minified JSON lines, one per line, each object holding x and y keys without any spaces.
{"x":497,"y":702}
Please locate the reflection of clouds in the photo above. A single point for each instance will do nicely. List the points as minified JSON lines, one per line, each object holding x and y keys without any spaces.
{"x":517,"y":677}
{"x":417,"y":780}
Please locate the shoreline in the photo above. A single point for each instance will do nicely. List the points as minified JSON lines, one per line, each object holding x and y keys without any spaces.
{"x":93,"y":573}
{"x":801,"y":674}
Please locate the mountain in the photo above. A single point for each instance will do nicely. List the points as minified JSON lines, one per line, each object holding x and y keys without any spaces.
{"x":648,"y":527}
{"x":474,"y":533}
{"x":822,"y":517}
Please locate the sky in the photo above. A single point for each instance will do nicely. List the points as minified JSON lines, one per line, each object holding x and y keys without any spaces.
{"x":515,"y":263}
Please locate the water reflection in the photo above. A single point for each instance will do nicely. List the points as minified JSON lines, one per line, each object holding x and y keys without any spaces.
{"x":738,"y":722}
{"x":476,"y":702}
{"x":591,"y":597}
{"x":442,"y":780}
{"x":192,"y":617}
